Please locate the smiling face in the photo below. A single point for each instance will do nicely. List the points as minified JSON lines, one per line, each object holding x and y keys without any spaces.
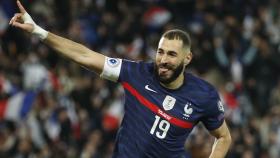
{"x":171,"y":58}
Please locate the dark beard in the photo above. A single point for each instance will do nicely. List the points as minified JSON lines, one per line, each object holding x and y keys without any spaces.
{"x":176,"y":72}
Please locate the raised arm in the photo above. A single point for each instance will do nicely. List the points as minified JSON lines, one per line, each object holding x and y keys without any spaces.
{"x":76,"y":52}
{"x":67,"y":48}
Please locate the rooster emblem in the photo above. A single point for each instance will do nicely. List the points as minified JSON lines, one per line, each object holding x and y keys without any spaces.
{"x":188,"y":110}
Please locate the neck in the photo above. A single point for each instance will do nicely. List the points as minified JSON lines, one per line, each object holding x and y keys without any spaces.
{"x":176,"y":83}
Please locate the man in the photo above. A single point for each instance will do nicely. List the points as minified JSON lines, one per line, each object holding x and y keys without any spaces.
{"x":163,"y":103}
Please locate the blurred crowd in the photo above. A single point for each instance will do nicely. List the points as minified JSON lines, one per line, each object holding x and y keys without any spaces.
{"x":51,"y":107}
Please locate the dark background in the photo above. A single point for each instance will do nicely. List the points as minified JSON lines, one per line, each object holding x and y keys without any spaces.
{"x":76,"y":114}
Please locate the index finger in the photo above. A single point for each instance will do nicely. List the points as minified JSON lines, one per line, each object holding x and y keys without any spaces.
{"x":21,"y":8}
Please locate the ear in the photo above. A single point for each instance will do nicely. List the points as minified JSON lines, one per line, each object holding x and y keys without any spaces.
{"x":188,"y":58}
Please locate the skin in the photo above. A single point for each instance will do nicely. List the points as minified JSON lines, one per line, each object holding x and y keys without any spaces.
{"x":170,"y":55}
{"x":222,"y":141}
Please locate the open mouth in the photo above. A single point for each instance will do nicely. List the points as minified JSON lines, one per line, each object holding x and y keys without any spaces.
{"x":163,"y":70}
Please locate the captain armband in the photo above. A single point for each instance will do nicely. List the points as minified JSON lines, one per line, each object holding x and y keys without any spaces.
{"x":111,"y":69}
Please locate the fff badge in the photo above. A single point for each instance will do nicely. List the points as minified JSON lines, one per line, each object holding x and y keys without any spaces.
{"x":168,"y":103}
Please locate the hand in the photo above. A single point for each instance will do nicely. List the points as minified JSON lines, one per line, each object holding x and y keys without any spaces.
{"x":22,"y":20}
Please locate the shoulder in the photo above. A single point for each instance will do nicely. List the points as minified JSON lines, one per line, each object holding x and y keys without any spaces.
{"x":135,"y":69}
{"x":204,"y":92}
{"x":137,"y":65}
{"x":208,"y":100}
{"x":200,"y":85}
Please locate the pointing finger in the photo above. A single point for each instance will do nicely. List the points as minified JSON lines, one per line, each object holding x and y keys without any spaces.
{"x":21,"y":8}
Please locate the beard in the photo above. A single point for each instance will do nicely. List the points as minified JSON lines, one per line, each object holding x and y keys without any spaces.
{"x":176,"y":71}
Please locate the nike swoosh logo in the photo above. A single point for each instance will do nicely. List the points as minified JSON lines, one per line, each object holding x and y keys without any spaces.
{"x":149,"y":89}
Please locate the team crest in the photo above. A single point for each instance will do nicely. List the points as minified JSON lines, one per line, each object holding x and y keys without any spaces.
{"x":188,"y":110}
{"x":168,"y":103}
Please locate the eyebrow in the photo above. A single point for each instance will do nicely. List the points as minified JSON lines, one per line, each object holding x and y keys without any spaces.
{"x":160,"y":49}
{"x":170,"y":51}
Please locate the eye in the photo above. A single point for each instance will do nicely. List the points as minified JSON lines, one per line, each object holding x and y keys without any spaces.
{"x":160,"y":52}
{"x":172,"y":53}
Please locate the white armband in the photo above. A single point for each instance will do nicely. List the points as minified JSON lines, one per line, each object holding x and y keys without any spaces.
{"x":37,"y":31}
{"x":40,"y":32}
{"x":111,"y":69}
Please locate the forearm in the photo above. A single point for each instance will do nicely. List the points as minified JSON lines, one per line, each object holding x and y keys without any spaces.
{"x":220,"y":147}
{"x":76,"y":52}
{"x":67,"y":48}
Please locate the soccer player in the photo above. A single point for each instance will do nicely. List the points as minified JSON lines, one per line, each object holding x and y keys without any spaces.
{"x":163,"y":103}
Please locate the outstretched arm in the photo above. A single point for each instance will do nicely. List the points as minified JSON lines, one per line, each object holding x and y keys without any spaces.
{"x":67,"y":48}
{"x":76,"y":52}
{"x":222,"y":141}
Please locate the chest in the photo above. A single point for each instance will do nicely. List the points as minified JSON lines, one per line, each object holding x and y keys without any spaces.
{"x":181,"y":105}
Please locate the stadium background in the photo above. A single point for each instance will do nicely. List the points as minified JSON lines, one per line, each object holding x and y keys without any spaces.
{"x":51,"y":107}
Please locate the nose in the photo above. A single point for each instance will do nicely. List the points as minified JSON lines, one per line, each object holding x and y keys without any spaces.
{"x":164,"y":59}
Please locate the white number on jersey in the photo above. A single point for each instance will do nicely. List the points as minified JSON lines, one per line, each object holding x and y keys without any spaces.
{"x":163,"y":126}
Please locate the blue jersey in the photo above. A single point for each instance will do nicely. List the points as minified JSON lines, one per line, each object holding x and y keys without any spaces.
{"x":158,"y":120}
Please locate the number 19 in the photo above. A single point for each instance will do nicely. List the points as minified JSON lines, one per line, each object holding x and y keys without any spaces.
{"x":163,"y":126}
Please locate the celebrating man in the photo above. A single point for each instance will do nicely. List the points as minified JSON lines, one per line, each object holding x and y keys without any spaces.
{"x":163,"y":103}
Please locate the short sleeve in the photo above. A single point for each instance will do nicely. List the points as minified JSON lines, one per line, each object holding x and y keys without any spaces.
{"x":129,"y":71}
{"x":214,"y":115}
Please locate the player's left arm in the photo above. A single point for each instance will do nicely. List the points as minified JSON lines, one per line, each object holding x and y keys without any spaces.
{"x":214,"y":121}
{"x":222,"y":141}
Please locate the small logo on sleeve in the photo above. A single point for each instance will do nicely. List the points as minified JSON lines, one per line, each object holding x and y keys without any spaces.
{"x":221,"y":106}
{"x":113,"y":62}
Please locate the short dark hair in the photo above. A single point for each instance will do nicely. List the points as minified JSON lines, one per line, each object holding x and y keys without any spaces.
{"x":179,"y":35}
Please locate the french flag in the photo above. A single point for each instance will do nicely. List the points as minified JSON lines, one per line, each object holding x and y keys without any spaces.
{"x":157,"y":16}
{"x":17,"y":106}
